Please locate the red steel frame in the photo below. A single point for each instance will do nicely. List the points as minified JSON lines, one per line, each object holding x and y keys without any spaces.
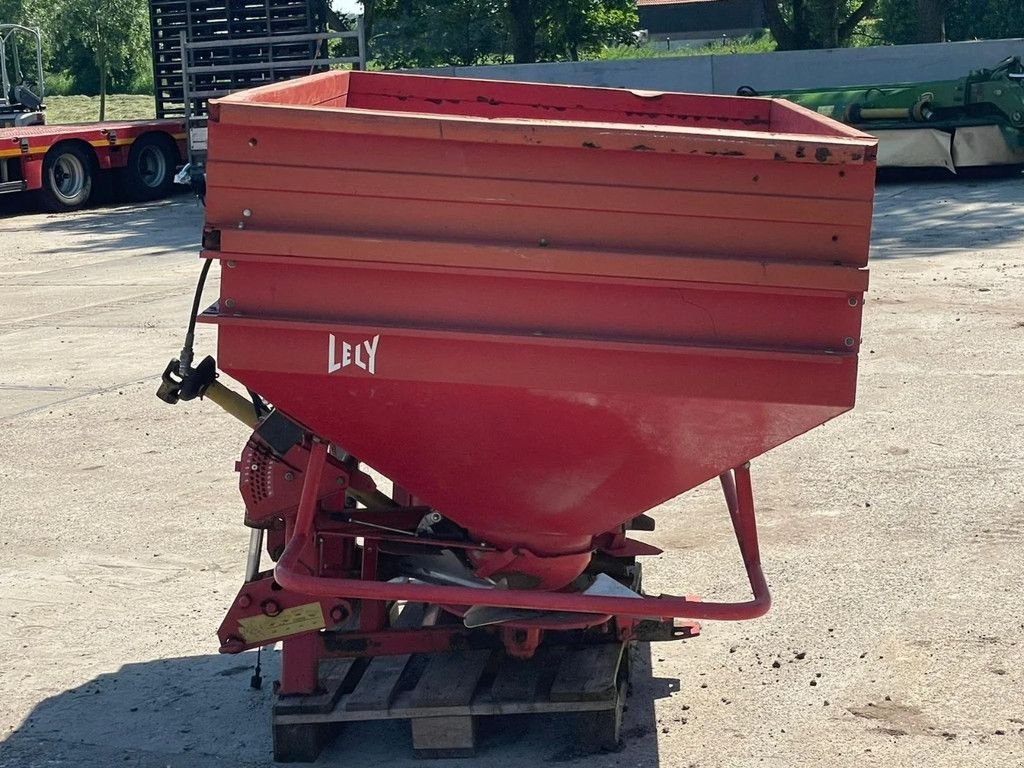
{"x":738,"y":495}
{"x":299,"y":578}
{"x":109,"y":143}
{"x":294,"y":582}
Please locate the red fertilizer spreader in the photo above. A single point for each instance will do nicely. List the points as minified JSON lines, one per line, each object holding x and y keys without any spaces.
{"x":539,"y":311}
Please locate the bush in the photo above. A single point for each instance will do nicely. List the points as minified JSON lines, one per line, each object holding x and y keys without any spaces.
{"x":763,"y":43}
{"x":142,"y":82}
{"x":59,"y":83}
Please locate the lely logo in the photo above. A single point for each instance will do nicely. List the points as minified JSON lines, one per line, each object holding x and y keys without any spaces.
{"x":361,"y":355}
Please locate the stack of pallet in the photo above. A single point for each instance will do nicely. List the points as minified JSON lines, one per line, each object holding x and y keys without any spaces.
{"x":239,"y":65}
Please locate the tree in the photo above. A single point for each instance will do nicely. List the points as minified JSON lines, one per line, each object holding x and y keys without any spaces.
{"x":931,"y":26}
{"x":908,"y":21}
{"x":428,"y":33}
{"x":109,"y":30}
{"x":10,"y":12}
{"x":524,"y":31}
{"x":984,"y":19}
{"x":801,"y":24}
{"x":569,"y":28}
{"x":423,"y":33}
{"x":369,"y":17}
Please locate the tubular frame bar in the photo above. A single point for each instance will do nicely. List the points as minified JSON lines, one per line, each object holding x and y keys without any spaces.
{"x":736,"y":486}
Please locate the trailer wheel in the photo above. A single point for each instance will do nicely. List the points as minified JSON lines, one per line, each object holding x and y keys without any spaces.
{"x":67,"y":178}
{"x":150,"y":170}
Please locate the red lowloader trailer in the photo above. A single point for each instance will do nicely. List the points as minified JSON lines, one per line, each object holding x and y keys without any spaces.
{"x":66,"y":164}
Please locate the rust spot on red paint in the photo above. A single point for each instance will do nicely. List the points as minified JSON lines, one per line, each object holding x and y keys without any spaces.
{"x":687,"y":118}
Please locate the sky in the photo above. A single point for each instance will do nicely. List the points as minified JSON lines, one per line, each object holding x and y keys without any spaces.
{"x":347,"y":6}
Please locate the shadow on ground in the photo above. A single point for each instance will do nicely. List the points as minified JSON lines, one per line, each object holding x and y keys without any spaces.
{"x":915,"y":217}
{"x":114,"y":226}
{"x":200,"y":712}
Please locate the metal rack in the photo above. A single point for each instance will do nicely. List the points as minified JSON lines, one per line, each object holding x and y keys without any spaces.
{"x":219,"y":21}
{"x":215,"y":68}
{"x":204,"y":49}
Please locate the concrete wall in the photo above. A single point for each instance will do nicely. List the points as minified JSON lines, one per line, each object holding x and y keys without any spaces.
{"x":764,"y":71}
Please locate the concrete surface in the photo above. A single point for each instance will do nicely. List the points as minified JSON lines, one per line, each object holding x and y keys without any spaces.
{"x":892,"y":536}
{"x":724,"y":73}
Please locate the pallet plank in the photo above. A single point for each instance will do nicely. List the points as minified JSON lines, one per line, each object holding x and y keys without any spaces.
{"x":517,"y":679}
{"x":402,"y":709}
{"x":335,"y":676}
{"x":450,"y":679}
{"x":588,"y":674}
{"x":377,"y":686}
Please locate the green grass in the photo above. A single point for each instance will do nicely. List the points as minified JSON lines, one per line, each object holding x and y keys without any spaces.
{"x":86,"y":109}
{"x":762,"y":44}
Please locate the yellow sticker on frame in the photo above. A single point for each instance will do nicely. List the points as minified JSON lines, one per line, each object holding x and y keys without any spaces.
{"x":290,"y":621}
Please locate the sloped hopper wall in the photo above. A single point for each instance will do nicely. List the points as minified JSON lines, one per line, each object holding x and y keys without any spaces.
{"x":541,"y":309}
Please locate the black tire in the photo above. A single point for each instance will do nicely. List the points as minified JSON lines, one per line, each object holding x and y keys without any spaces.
{"x":68,"y":175}
{"x":150,"y":171}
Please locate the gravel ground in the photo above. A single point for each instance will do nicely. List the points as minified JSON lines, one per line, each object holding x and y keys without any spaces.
{"x":892,"y":536}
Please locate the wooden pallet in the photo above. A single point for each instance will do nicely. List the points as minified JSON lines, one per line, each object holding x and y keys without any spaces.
{"x":234,"y":20}
{"x":442,"y":695}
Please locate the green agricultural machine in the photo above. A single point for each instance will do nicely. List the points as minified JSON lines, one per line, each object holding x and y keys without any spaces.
{"x":976,"y":121}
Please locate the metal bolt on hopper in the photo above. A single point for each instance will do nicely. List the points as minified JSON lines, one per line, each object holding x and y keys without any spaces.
{"x":540,"y":311}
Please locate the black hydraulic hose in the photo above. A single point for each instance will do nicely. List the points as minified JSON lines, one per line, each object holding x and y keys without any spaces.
{"x":185,"y":361}
{"x":258,"y":405}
